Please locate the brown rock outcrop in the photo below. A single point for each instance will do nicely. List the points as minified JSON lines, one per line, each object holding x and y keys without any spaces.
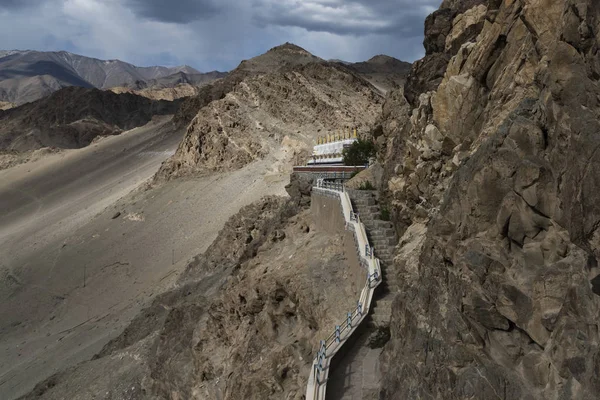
{"x":285,"y":56}
{"x":497,"y":161}
{"x":456,"y":22}
{"x":301,"y":100}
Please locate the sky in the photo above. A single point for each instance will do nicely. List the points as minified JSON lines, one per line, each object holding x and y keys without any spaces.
{"x":215,"y":34}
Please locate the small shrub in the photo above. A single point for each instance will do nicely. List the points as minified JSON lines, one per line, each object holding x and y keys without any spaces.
{"x":359,"y":152}
{"x":366,"y":185}
{"x":385,"y":214}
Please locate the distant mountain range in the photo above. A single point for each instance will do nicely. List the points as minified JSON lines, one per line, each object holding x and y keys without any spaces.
{"x":26,"y":76}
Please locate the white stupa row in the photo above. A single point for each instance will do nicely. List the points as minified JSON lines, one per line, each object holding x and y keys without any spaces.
{"x":329,"y":149}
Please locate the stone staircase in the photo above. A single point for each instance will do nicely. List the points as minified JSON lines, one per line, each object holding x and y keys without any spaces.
{"x":382,"y":238}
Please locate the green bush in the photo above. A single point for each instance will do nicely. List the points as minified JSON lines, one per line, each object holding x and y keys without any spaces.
{"x":366,"y":185}
{"x":359,"y":152}
{"x":384,"y":214}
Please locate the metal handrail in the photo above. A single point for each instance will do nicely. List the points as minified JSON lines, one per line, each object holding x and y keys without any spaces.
{"x":374,"y":275}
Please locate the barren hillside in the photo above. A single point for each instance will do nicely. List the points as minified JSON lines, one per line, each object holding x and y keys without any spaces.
{"x":171,"y":87}
{"x":302,"y":99}
{"x":284,"y":56}
{"x":384,"y":72}
{"x":27,"y":76}
{"x":73,"y":117}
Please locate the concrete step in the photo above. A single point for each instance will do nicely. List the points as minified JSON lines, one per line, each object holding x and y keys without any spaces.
{"x":383,"y":224}
{"x":389,"y":232}
{"x":382,"y":253}
{"x":367,"y":201}
{"x":379,"y":241}
{"x":368,"y":209}
{"x":384,"y":249}
{"x":368,"y":217}
{"x":358,"y":194}
{"x":383,"y":232}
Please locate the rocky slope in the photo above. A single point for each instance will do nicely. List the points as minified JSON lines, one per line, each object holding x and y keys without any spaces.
{"x":384,"y":72}
{"x":73,"y":117}
{"x":285,"y":96}
{"x":241,"y":324}
{"x":279,"y":57}
{"x":4,"y":105}
{"x":490,"y":161}
{"x":26,"y":76}
{"x":171,"y":87}
{"x":243,"y":321}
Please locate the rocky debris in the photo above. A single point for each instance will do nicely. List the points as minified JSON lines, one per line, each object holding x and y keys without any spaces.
{"x":490,"y":163}
{"x":4,"y":105}
{"x":298,"y":102}
{"x":241,"y":324}
{"x":300,"y":189}
{"x":73,"y":117}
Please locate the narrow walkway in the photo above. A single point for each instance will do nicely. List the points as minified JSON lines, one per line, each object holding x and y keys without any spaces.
{"x":316,"y":387}
{"x":356,"y":375}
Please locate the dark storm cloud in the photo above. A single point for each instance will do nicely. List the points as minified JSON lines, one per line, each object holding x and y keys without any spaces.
{"x":181,"y":11}
{"x":347,"y":17}
{"x":215,"y":34}
{"x":18,"y":4}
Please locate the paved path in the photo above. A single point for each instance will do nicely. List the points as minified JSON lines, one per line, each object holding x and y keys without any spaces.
{"x":356,"y":375}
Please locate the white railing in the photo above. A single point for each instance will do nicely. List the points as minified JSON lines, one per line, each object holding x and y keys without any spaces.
{"x":317,"y":381}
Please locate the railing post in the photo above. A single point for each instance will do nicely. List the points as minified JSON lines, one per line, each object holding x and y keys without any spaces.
{"x":349,"y":320}
{"x":337,"y":334}
{"x":359,"y":308}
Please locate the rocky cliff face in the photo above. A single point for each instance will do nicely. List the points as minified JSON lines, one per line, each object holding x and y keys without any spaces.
{"x":288,"y":98}
{"x":490,"y":164}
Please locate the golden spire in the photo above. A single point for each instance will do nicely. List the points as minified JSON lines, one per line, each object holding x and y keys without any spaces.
{"x":355,"y":134}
